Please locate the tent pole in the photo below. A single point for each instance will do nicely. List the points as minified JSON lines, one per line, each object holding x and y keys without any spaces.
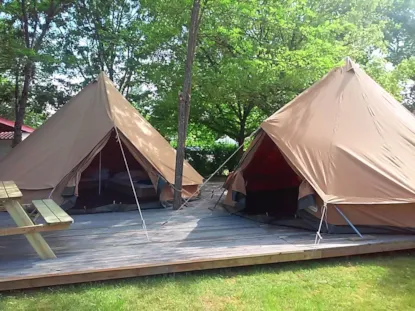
{"x":132,"y":184}
{"x":216,"y":204}
{"x":99,"y":175}
{"x":326,"y":220}
{"x":348,"y":221}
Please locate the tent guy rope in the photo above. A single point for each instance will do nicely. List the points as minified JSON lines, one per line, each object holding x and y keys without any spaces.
{"x":210,"y":177}
{"x":218,"y":169}
{"x":318,"y":233}
{"x":132,"y":184}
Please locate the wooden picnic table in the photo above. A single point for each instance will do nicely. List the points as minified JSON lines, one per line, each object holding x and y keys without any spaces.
{"x":55,"y":217}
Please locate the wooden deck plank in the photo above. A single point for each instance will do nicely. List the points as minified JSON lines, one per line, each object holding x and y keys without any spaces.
{"x":119,"y":256}
{"x":110,"y":246}
{"x":189,"y":265}
{"x":137,"y":236}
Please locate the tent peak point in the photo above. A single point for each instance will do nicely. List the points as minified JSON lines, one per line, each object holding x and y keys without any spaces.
{"x":350,"y":64}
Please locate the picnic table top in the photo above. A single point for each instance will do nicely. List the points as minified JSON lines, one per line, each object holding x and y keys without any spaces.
{"x":9,"y":191}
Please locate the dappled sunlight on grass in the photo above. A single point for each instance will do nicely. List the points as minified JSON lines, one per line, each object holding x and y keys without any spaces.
{"x":381,"y":282}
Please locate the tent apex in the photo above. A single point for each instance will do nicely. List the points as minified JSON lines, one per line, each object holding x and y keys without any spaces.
{"x":102,"y":74}
{"x":350,"y":64}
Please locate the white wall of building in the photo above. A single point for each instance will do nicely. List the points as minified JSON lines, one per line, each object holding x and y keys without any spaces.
{"x":6,"y":145}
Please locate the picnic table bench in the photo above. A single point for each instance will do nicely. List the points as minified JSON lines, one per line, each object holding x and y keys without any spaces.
{"x":55,"y":218}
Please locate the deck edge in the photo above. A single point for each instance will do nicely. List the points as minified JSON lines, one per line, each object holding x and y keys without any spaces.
{"x":197,"y":265}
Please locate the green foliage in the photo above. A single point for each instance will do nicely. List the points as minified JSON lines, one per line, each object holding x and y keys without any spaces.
{"x":397,"y":80}
{"x":34,"y":119}
{"x":6,"y":98}
{"x":388,"y":78}
{"x":400,"y":39}
{"x":406,"y":72}
{"x":105,"y":36}
{"x":28,"y":57}
{"x":400,"y":31}
{"x":205,"y":155}
{"x":207,"y":159}
{"x":252,"y":58}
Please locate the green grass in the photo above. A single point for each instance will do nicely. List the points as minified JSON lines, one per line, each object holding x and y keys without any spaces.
{"x":381,"y":282}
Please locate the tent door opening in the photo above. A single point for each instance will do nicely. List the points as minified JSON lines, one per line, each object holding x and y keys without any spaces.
{"x":105,"y":181}
{"x":271,"y":184}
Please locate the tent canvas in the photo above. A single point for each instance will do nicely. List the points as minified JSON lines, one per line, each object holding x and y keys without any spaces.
{"x":53,"y":158}
{"x":347,"y":140}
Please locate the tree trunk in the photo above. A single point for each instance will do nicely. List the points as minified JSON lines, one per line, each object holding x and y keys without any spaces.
{"x":184,"y":104}
{"x":21,"y":106}
{"x":241,"y":140}
{"x":16,"y":90}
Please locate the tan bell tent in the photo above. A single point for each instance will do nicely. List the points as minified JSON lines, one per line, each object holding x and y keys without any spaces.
{"x":344,"y":143}
{"x":82,"y":136}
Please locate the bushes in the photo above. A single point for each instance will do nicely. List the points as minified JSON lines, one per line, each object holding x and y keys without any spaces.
{"x":206,"y":159}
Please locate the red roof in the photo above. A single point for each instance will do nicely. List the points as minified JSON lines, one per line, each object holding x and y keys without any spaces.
{"x":7,"y":125}
{"x":6,"y":135}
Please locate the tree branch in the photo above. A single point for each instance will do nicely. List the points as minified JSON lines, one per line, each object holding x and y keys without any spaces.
{"x":49,"y":17}
{"x":25,"y":24}
{"x":36,"y":18}
{"x":209,"y":58}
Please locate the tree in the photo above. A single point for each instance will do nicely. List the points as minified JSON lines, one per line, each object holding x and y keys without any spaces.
{"x":6,"y":97}
{"x":106,"y":36}
{"x":10,"y":67}
{"x":255,"y":56}
{"x":184,"y":103}
{"x":400,"y":37}
{"x":400,"y":31}
{"x":33,"y":20}
{"x":406,"y":73}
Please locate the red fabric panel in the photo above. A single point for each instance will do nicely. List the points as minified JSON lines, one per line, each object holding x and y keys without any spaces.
{"x":268,"y":170}
{"x":111,"y":158}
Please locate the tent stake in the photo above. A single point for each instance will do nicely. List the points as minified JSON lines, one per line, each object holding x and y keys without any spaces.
{"x":348,"y":221}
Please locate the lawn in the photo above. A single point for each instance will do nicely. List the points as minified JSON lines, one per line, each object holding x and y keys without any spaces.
{"x":381,"y":282}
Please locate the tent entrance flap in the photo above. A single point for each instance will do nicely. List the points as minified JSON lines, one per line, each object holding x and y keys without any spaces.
{"x":271,"y":183}
{"x":106,"y":181}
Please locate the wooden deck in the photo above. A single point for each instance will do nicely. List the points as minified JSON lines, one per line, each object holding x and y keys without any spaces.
{"x":113,"y":245}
